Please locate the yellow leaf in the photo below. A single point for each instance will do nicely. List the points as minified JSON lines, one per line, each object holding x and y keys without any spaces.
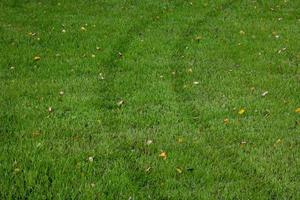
{"x":36,"y":58}
{"x":297,"y":110}
{"x":242,"y":111}
{"x":163,"y":155}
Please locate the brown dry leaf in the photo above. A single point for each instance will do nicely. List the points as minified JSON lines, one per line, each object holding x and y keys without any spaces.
{"x":163,"y":155}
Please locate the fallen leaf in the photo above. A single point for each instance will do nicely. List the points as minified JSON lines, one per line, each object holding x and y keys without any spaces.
{"x":149,"y":142}
{"x":83,"y":28}
{"x":101,"y":76}
{"x":163,"y":155}
{"x":121,"y":102}
{"x":226,"y":121}
{"x":198,"y":38}
{"x":264,"y":93}
{"x":297,"y":110}
{"x":31,"y":34}
{"x":243,"y":143}
{"x":37,"y":58}
{"x":242,"y":111}
{"x":50,"y":109}
{"x":195,"y":82}
{"x":91,"y":159}
{"x":179,"y":170}
{"x":278,"y":141}
{"x":17,"y":170}
{"x":148,"y":169}
{"x":61,"y":93}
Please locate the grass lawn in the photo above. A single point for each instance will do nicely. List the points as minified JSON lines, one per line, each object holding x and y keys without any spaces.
{"x":158,"y":99}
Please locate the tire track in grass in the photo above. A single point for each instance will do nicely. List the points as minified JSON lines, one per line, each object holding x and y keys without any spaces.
{"x":178,"y":55}
{"x":191,"y":112}
{"x":110,"y":95}
{"x":111,"y":108}
{"x":112,"y":68}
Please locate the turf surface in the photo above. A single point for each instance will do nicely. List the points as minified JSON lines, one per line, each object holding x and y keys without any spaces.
{"x":126,"y":99}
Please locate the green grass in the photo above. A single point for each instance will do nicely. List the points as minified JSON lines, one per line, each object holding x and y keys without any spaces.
{"x":181,"y":68}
